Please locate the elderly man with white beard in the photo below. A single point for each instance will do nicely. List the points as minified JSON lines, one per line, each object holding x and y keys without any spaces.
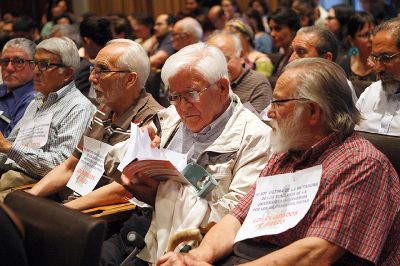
{"x":355,"y":209}
{"x":380,"y":102}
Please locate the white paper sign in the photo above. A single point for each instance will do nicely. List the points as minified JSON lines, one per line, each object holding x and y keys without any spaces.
{"x":35,"y":133}
{"x":90,"y":167}
{"x":280,"y":202}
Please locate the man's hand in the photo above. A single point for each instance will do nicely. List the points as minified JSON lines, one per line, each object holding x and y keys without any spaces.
{"x":155,"y":139}
{"x":5,"y":145}
{"x":180,"y":259}
{"x":143,"y":188}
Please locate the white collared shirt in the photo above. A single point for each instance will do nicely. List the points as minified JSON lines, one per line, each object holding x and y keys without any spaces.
{"x":380,"y":110}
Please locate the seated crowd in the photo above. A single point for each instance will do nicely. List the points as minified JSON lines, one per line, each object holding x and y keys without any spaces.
{"x":267,"y":103}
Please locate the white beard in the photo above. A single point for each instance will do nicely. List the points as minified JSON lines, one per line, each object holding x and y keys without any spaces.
{"x":391,"y":88}
{"x":289,"y":134}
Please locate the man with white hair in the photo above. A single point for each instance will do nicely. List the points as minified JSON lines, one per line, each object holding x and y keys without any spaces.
{"x":212,"y":127}
{"x":54,"y":120}
{"x":118,"y":76}
{"x":380,"y":102}
{"x":353,"y":210}
{"x":251,"y":86}
{"x":185,"y":32}
{"x":17,"y":90}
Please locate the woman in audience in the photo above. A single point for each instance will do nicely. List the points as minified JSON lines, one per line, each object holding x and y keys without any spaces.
{"x":261,"y":7}
{"x":336,"y":22}
{"x":231,"y":9}
{"x":253,"y":58}
{"x":356,"y":65}
{"x":142,"y":27}
{"x":262,"y":40}
{"x":284,"y":24}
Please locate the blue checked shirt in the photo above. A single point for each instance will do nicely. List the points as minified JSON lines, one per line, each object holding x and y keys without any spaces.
{"x":71,"y":112}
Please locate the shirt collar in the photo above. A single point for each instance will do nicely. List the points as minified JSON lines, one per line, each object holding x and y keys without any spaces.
{"x":54,"y":96}
{"x":239,"y":79}
{"x":17,"y":92}
{"x":125,"y":120}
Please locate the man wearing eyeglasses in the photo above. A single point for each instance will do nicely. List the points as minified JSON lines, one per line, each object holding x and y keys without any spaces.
{"x":353,"y":211}
{"x":53,"y":122}
{"x":118,"y":76}
{"x":17,"y":90}
{"x":380,"y":102}
{"x":185,"y":32}
{"x":208,"y":123}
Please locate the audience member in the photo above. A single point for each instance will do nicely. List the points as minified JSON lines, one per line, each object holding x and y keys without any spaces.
{"x":379,"y":103}
{"x":119,"y":74}
{"x":95,"y":32}
{"x":305,"y":9}
{"x":162,"y":31}
{"x":253,"y":58}
{"x":337,"y":22}
{"x":121,"y":27}
{"x":217,"y":17}
{"x":262,"y":8}
{"x":185,"y":32}
{"x":262,"y":40}
{"x":231,"y":9}
{"x":220,"y":134}
{"x":284,"y":24}
{"x":313,"y":120}
{"x":53,"y":122}
{"x":249,"y":85}
{"x":359,"y":31}
{"x":315,"y":41}
{"x":143,"y":31}
{"x":17,"y":91}
{"x":25,"y":27}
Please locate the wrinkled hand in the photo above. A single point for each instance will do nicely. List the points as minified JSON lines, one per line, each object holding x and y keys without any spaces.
{"x":180,"y":259}
{"x":155,"y":139}
{"x":143,"y":187}
{"x":5,"y":145}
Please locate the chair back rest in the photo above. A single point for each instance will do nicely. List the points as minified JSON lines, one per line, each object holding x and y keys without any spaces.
{"x":388,"y":145}
{"x":56,"y":235}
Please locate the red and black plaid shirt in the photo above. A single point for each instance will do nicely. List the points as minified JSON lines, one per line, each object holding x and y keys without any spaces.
{"x":358,"y":202}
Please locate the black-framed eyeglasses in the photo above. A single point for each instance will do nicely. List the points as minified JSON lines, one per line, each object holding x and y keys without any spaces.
{"x":43,"y":65}
{"x":99,"y":71}
{"x":280,"y":101}
{"x":17,"y":62}
{"x":385,"y":58}
{"x":191,"y":96}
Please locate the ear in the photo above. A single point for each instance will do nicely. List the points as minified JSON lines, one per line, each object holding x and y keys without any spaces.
{"x":350,"y":40}
{"x":68,"y":73}
{"x":328,"y":56}
{"x":132,"y":79}
{"x":314,"y":113}
{"x":224,"y":86}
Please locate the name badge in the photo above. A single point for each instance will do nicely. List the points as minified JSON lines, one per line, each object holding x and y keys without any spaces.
{"x":90,"y":167}
{"x":280,"y":202}
{"x":35,"y":133}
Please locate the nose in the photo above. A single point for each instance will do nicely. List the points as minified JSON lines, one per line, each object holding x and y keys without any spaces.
{"x":379,"y":66}
{"x":92,"y":77}
{"x":270,"y":111}
{"x":10,"y":67}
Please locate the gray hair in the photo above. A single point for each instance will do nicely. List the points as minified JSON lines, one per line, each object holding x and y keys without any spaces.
{"x":69,"y":31}
{"x":324,"y":82}
{"x":21,"y":43}
{"x":65,"y":48}
{"x":193,"y":26}
{"x":234,"y":37}
{"x":206,"y":59}
{"x":327,"y":41}
{"x":393,"y":26}
{"x":133,"y":59}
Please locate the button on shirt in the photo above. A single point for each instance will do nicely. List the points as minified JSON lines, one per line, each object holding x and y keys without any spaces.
{"x":13,"y":105}
{"x":380,"y":109}
{"x":71,"y":113}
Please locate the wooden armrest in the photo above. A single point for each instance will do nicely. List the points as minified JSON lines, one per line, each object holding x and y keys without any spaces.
{"x":24,"y":187}
{"x":113,"y":212}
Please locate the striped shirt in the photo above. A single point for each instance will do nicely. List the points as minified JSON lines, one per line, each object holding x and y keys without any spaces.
{"x":254,"y":88}
{"x":357,"y":206}
{"x":71,"y":113}
{"x":103,"y":129}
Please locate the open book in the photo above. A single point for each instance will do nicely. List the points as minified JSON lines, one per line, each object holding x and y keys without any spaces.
{"x":163,"y":164}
